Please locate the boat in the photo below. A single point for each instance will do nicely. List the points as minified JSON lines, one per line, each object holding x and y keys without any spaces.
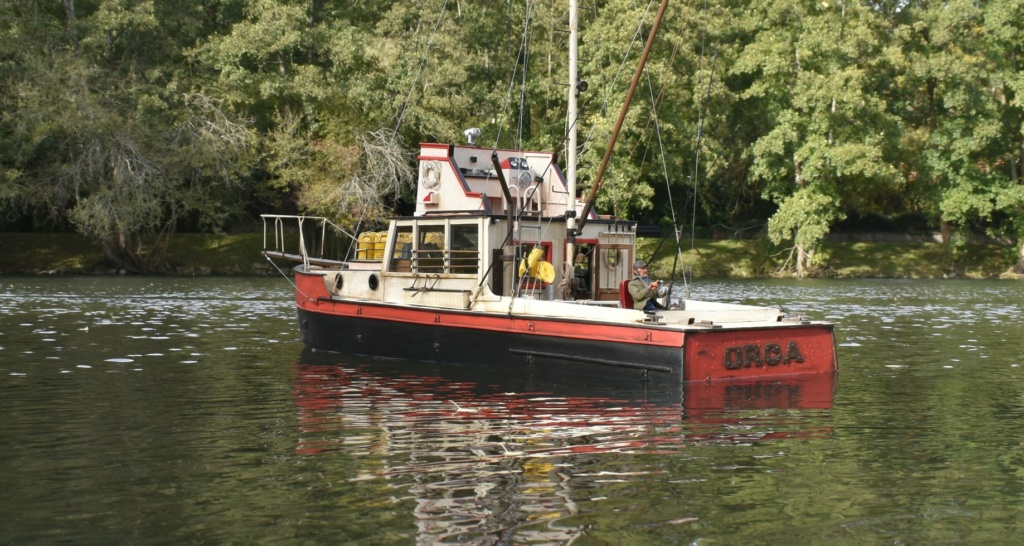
{"x":470,"y":277}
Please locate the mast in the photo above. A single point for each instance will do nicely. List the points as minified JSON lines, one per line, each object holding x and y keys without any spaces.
{"x":622,"y":114}
{"x":572,"y":114}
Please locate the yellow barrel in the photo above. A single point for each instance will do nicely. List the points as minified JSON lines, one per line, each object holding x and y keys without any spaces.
{"x":379,"y":244}
{"x":366,"y":247}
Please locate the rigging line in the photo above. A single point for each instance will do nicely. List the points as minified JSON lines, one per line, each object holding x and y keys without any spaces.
{"x":696,"y":159}
{"x":700,"y":121}
{"x":287,"y":278}
{"x":527,"y":38}
{"x":523,"y":44}
{"x":523,"y":55}
{"x":661,"y":144}
{"x":490,"y":268}
{"x":359,"y":224}
{"x":419,"y":70}
{"x":624,"y":110}
{"x":664,"y":169}
{"x":668,"y":189}
{"x":608,"y":89}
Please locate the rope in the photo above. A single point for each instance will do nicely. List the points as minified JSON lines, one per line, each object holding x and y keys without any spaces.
{"x":419,"y":70}
{"x":526,"y":65}
{"x":700,"y":123}
{"x":521,"y":55}
{"x":608,"y":90}
{"x":664,"y":169}
{"x":285,"y":275}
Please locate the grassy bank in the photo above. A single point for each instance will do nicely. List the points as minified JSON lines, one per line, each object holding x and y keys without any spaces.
{"x":239,"y":254}
{"x":189,"y":254}
{"x":759,"y":259}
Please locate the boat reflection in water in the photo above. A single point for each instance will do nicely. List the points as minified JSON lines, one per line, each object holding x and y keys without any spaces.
{"x":484,"y":455}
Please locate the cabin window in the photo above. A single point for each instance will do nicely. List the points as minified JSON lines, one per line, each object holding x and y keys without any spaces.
{"x":464,"y":254}
{"x":401,"y":254}
{"x":436,"y":248}
{"x":430,"y":250}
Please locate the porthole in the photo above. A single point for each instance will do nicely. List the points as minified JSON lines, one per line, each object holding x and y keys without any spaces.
{"x":374,"y":282}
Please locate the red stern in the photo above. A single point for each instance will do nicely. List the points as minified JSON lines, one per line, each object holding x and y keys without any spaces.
{"x":759,"y":353}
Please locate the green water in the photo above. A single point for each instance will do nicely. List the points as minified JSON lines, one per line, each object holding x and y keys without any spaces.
{"x":142,"y":410}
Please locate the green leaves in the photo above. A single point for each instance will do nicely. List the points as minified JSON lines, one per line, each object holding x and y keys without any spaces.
{"x":128,"y":117}
{"x":805,"y":217}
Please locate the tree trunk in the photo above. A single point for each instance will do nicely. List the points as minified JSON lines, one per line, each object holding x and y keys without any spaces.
{"x":69,"y":12}
{"x":115,"y":255}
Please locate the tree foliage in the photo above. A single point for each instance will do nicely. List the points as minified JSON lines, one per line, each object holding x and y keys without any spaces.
{"x":129,"y":119}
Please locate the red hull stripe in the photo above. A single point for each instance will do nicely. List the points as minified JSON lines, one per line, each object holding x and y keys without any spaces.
{"x":312,"y":285}
{"x":590,"y":331}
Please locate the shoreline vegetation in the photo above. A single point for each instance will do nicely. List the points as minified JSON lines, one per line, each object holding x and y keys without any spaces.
{"x":792,"y":121}
{"x":194,"y":254}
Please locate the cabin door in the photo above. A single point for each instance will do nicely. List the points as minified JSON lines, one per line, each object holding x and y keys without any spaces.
{"x":611,"y":267}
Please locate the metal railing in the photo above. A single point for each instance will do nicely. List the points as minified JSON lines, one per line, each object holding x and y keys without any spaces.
{"x":281,"y":248}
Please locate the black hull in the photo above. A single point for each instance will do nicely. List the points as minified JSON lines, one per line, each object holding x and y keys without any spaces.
{"x":483,"y":348}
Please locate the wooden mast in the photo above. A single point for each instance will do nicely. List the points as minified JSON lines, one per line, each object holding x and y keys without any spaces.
{"x":622,"y":115}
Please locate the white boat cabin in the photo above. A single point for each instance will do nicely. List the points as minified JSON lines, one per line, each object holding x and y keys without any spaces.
{"x":460,"y":229}
{"x":457,"y":247}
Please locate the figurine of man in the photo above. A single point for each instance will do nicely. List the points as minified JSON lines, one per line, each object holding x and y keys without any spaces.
{"x":643,"y":290}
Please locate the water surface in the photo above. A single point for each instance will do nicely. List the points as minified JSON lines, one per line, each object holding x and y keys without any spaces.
{"x":145,"y":410}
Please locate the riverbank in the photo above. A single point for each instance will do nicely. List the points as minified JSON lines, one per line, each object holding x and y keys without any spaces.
{"x":746,"y":259}
{"x":239,"y":254}
{"x":189,"y":254}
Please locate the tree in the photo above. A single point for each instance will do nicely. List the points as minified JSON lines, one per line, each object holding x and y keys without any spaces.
{"x":1003,"y":33}
{"x":330,"y":88}
{"x":961,"y":118}
{"x":108,"y":142}
{"x":811,"y":69}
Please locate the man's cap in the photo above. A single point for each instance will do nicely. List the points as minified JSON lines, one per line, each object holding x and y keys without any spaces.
{"x":639,"y":263}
